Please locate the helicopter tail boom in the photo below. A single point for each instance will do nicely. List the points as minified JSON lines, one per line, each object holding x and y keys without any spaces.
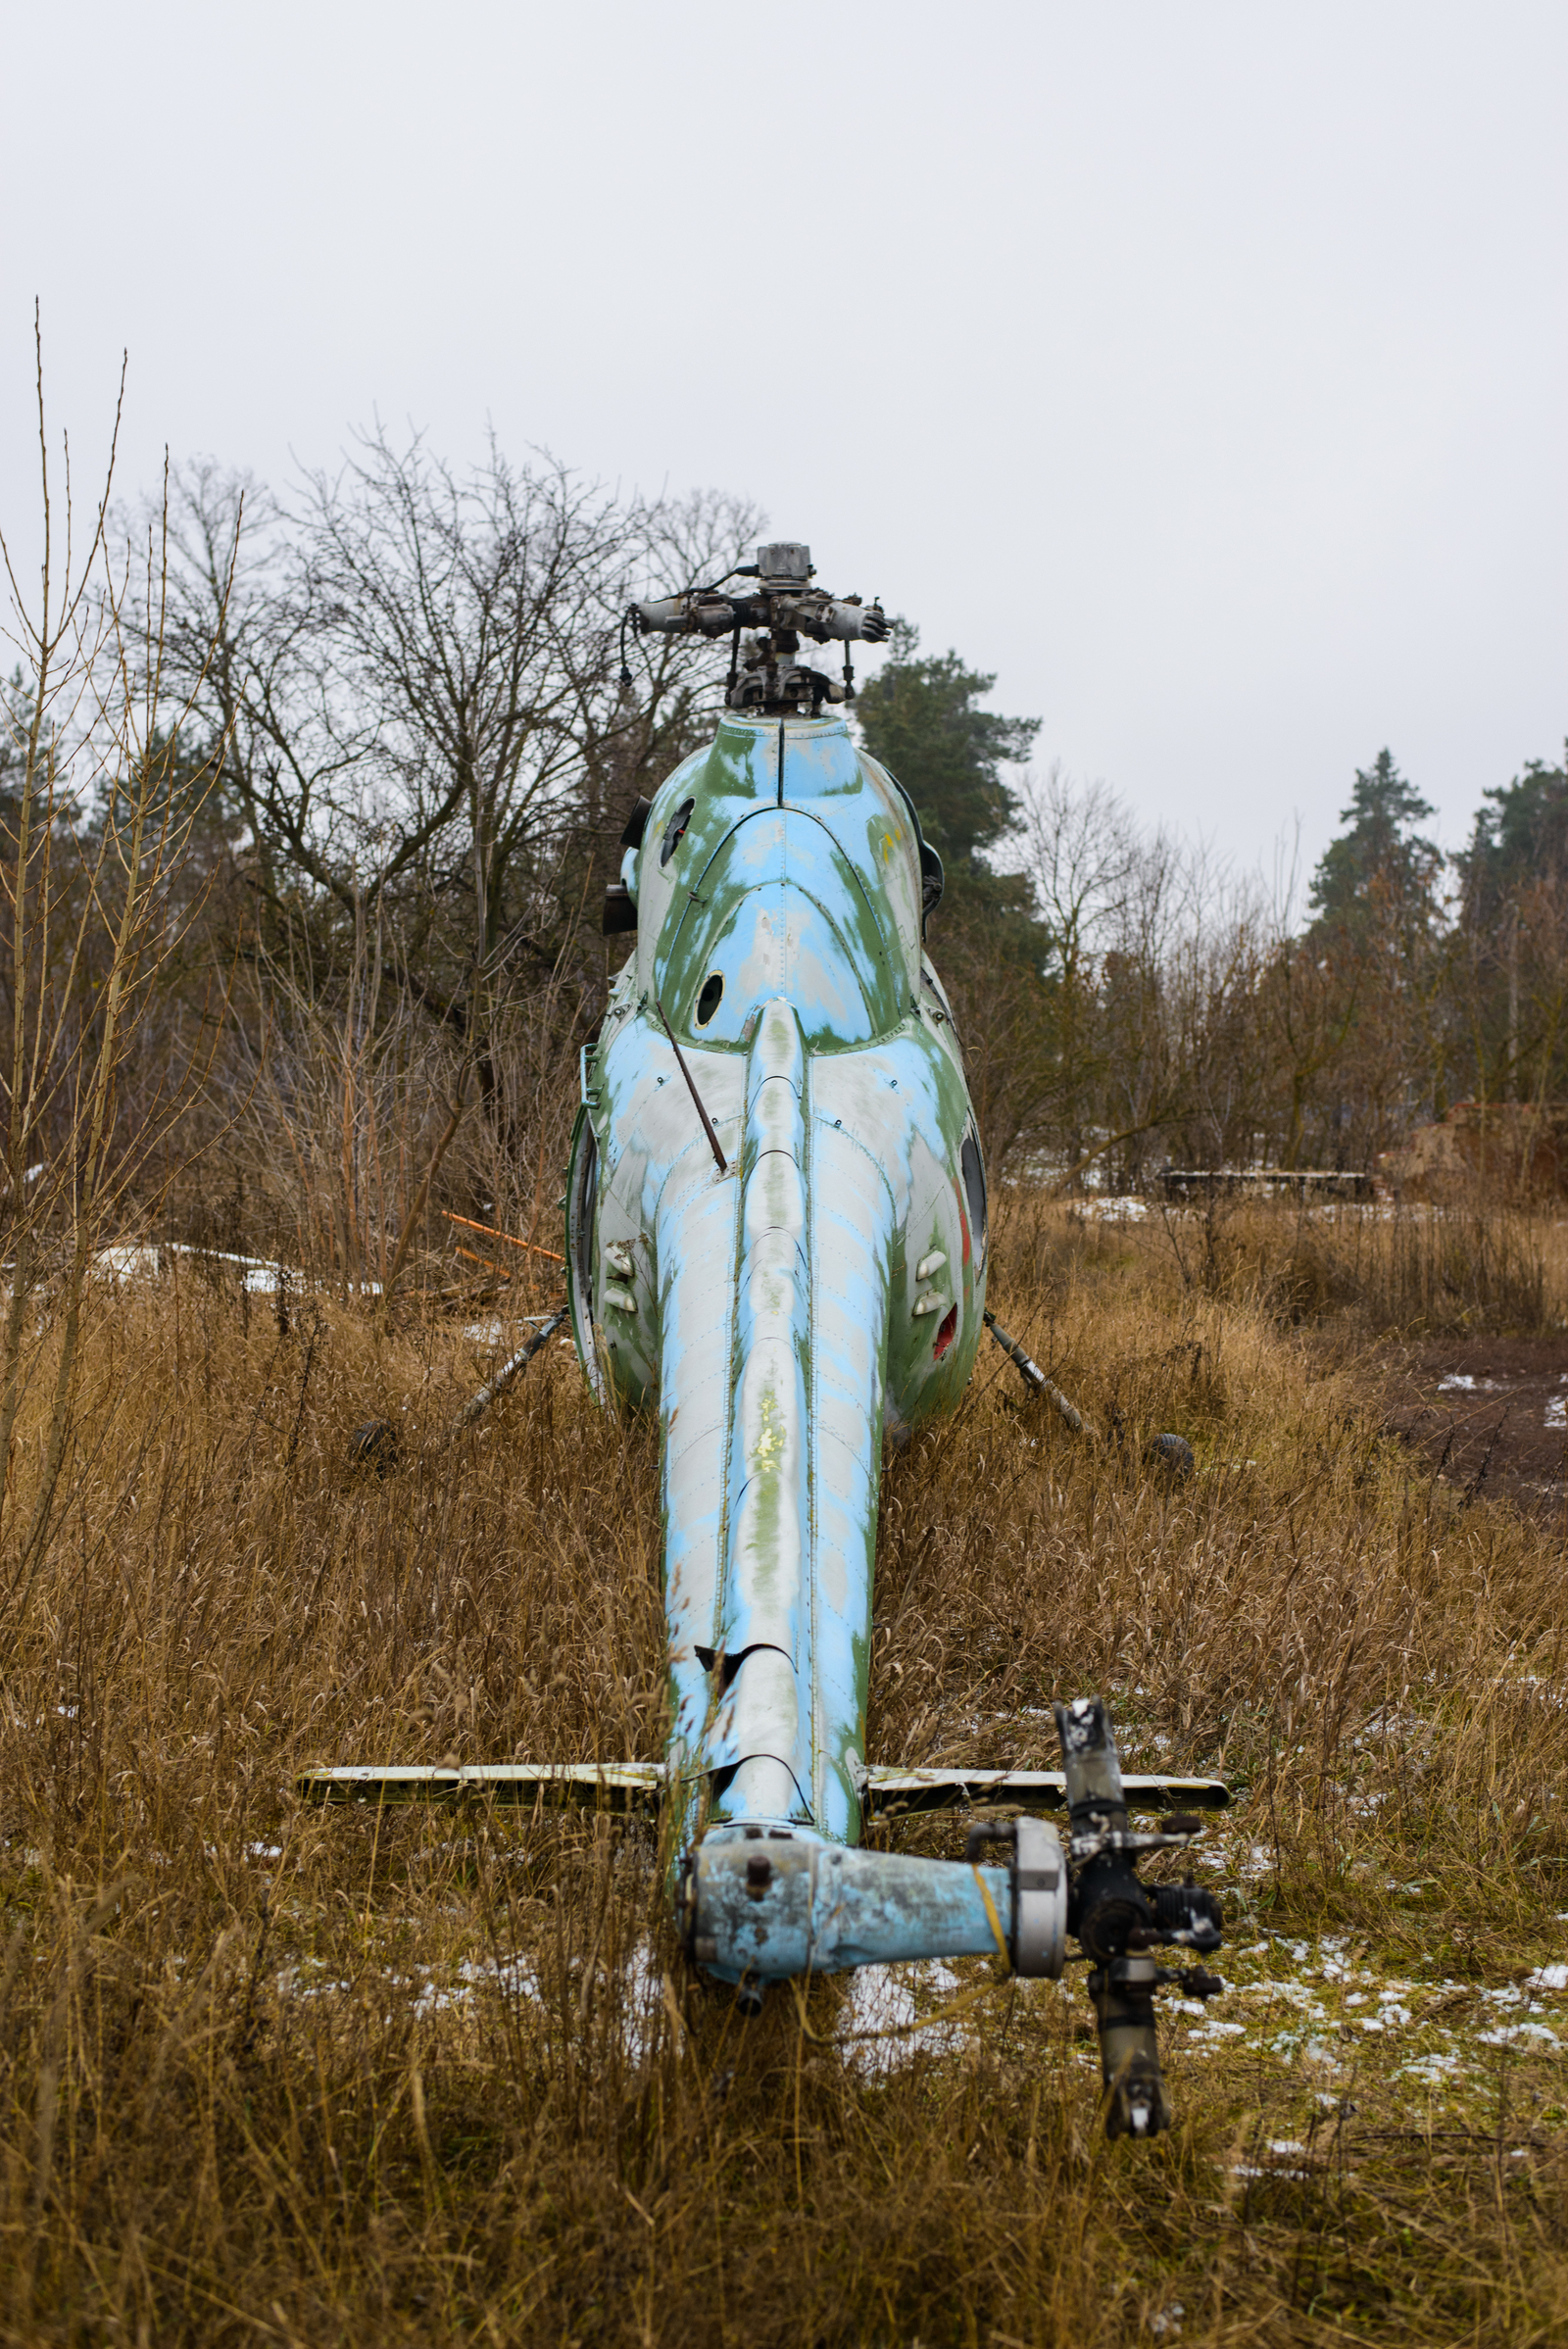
{"x":772,"y":1557}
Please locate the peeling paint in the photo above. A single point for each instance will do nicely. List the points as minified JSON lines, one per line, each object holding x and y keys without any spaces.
{"x":775,"y":1322}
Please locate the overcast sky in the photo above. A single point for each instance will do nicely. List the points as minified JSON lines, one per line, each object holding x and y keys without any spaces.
{"x":1199,"y":368}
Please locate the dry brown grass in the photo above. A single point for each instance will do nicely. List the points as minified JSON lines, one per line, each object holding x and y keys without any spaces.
{"x":1471,"y":1264}
{"x":269,"y":2074}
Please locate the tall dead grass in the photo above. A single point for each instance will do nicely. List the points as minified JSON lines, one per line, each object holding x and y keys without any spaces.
{"x":269,"y":2075}
{"x":1474,"y":1263}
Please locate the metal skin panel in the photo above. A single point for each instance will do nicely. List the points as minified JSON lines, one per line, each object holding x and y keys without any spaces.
{"x":774,"y":1315}
{"x":763,"y":1727}
{"x":821,"y":1909}
{"x":779,"y":910}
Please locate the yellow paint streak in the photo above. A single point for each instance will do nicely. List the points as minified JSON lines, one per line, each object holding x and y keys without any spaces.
{"x":770,"y":1437}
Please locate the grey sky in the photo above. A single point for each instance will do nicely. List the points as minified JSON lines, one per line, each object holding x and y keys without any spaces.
{"x":1198,"y":367}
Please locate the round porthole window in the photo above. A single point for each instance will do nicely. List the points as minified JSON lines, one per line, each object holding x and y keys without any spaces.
{"x":708,"y":1002}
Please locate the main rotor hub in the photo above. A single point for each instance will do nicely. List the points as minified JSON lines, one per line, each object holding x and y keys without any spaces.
{"x":765,"y":625}
{"x":784,"y":565}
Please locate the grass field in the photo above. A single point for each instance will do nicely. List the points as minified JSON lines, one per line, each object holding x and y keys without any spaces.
{"x":273,"y":2075}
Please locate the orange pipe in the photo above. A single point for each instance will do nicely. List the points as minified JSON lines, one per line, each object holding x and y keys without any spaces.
{"x":490,"y":1233}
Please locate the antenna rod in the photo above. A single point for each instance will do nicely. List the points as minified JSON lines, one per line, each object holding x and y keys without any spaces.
{"x":691,"y":1086}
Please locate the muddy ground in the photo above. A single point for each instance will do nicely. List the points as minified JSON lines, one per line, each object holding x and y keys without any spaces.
{"x":1488,"y":1414}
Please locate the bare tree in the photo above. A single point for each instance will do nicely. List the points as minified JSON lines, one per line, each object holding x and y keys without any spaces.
{"x":432,"y":741}
{"x":99,"y":814}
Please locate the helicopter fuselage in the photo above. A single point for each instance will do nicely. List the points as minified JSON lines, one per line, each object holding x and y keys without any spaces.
{"x":826,"y":1289}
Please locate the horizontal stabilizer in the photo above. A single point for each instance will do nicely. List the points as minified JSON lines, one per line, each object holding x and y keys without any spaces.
{"x":885,"y":1792}
{"x":600,"y":1786}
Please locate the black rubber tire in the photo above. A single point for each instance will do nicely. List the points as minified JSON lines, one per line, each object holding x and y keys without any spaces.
{"x":374,"y":1447}
{"x":1173,"y":1454}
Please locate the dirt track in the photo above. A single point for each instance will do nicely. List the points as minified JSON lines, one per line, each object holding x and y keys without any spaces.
{"x":1490,"y":1413}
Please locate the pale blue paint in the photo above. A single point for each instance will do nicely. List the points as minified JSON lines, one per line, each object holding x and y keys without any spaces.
{"x":774,"y":1328}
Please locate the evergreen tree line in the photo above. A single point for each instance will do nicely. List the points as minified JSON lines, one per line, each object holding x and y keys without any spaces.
{"x":389,"y":732}
{"x":1128,"y":1002}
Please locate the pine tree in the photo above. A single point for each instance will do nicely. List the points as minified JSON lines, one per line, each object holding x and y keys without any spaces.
{"x":1520,"y":840}
{"x":920,"y":717}
{"x":1380,"y":867}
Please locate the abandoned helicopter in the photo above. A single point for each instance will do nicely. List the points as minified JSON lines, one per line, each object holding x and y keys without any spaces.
{"x":777,"y":1238}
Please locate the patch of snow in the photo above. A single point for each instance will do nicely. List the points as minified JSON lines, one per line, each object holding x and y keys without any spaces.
{"x":642,"y":1994}
{"x":1114,"y":1211}
{"x":127,"y":1263}
{"x":1318,"y":2052}
{"x":1430,"y":2070}
{"x":882,"y":1998}
{"x":515,"y":1974}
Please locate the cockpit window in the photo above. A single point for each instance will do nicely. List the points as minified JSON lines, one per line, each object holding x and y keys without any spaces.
{"x":708,"y":1002}
{"x":974,"y":1189}
{"x":674,"y":829}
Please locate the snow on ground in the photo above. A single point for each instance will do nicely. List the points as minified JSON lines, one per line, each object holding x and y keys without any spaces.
{"x":881,"y":2028}
{"x":1097,"y":1209}
{"x":144,"y":1261}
